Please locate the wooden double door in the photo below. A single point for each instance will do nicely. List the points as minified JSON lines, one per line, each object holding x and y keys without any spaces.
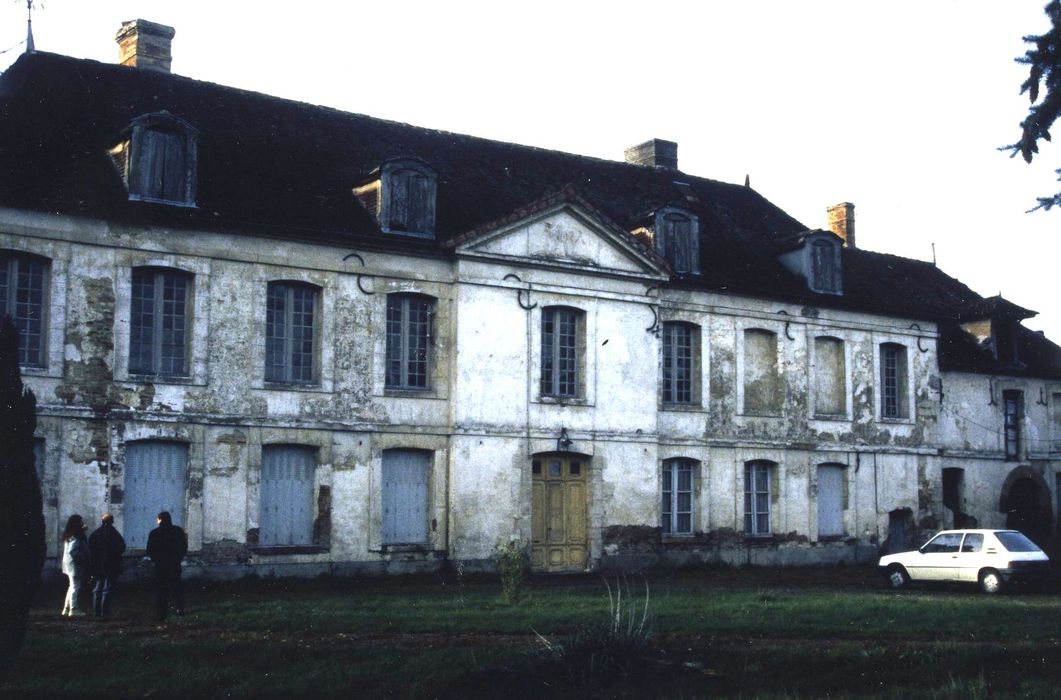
{"x":558,"y":513}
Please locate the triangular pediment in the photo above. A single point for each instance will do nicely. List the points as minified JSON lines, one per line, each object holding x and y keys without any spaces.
{"x":568,"y":237}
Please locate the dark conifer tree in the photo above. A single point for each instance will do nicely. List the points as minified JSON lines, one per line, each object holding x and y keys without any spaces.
{"x":1044,"y":74}
{"x":21,"y":515}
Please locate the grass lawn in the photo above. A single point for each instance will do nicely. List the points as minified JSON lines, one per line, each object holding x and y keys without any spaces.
{"x":784,"y":633}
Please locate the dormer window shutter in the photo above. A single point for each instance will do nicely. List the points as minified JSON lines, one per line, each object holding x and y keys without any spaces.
{"x":825,"y":268}
{"x":678,"y":240}
{"x":407,"y":204}
{"x":158,"y":160}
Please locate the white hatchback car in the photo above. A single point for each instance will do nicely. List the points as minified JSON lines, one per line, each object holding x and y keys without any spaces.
{"x":991,"y":558}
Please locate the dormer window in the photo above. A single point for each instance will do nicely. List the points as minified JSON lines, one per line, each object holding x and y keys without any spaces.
{"x":815,"y":256}
{"x":677,"y":239}
{"x":825,"y":266}
{"x":157,"y":159}
{"x":403,"y":198}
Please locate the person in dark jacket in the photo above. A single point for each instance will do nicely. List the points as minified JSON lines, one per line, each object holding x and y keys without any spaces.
{"x":166,"y":546}
{"x":107,"y":547}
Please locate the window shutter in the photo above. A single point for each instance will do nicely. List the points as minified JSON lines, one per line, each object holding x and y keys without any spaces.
{"x":830,"y":500}
{"x":404,"y":497}
{"x":286,"y":495}
{"x":418,"y":201}
{"x":399,"y":202}
{"x":174,"y":169}
{"x":155,"y":478}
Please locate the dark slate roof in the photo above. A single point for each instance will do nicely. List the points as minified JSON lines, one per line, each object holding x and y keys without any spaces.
{"x":995,"y":308}
{"x":276,"y":167}
{"x":1037,"y":356}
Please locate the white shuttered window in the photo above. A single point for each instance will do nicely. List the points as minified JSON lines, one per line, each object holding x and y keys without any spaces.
{"x":404,"y":499}
{"x":156,"y":475}
{"x":287,"y":487}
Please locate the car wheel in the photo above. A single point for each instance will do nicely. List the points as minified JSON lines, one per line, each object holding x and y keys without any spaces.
{"x":897,"y":577}
{"x":990,"y":581}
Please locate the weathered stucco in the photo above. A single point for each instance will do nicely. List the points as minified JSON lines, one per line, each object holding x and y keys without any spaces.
{"x":483,"y":417}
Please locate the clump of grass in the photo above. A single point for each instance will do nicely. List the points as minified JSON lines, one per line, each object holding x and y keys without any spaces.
{"x":512,"y":563}
{"x":606,"y":650}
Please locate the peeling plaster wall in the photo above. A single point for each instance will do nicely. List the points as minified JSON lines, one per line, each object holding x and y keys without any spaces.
{"x":482,"y":417}
{"x":972,"y":436}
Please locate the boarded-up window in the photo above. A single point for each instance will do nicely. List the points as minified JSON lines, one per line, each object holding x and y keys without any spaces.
{"x":156,"y":474}
{"x":409,"y":201}
{"x":561,"y":350}
{"x":830,"y":500}
{"x":757,"y":476}
{"x":825,"y":267}
{"x":762,"y":394}
{"x":408,"y":340}
{"x":404,"y":497}
{"x":677,"y":240}
{"x":287,"y":487}
{"x":164,"y":173}
{"x":409,"y":190}
{"x":681,"y":362}
{"x":158,"y":322}
{"x":1012,"y":407}
{"x":23,"y":282}
{"x":678,"y":496}
{"x":829,"y":377}
{"x":158,"y":159}
{"x":893,"y":401}
{"x":290,"y":330}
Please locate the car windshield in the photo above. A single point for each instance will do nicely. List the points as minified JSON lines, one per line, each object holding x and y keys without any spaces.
{"x":1016,"y":542}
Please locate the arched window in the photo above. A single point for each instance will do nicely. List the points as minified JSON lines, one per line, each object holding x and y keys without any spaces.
{"x":409,"y":320}
{"x":679,"y":496}
{"x":159,"y":313}
{"x":290,"y":332}
{"x":758,"y":491}
{"x":762,"y":390}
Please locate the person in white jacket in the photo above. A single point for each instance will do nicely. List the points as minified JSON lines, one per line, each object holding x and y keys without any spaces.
{"x":76,"y":561}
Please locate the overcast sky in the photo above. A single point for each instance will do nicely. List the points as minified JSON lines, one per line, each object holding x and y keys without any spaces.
{"x":898,"y":107}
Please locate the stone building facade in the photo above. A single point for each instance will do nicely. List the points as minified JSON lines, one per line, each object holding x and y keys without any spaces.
{"x":326,"y":342}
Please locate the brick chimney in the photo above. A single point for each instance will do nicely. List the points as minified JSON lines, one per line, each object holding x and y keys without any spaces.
{"x":842,"y":222}
{"x":144,"y":44}
{"x":656,"y":153}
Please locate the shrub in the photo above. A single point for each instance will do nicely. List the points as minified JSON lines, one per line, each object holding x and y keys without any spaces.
{"x":600,"y":652}
{"x":21,"y":516}
{"x":512,"y":563}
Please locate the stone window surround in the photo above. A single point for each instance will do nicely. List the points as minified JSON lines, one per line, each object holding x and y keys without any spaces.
{"x":324,"y":340}
{"x":55,"y":304}
{"x":198,"y":270}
